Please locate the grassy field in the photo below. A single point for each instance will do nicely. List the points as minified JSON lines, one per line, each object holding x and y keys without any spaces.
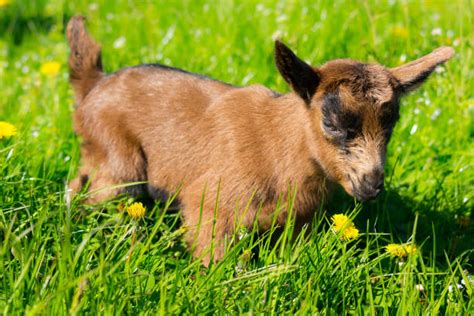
{"x":57,"y":259}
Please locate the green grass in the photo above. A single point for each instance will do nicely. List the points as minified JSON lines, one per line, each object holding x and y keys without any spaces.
{"x":56,"y":259}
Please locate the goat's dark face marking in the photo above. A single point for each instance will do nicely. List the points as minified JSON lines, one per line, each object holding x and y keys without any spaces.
{"x":354,"y":108}
{"x":356,"y":113}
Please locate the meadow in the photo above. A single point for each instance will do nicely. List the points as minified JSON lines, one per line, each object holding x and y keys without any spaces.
{"x":59,"y":258}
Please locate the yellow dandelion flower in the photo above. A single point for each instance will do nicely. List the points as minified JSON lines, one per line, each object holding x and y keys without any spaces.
{"x":342,"y":223}
{"x":400,"y":250}
{"x":339,"y":221}
{"x":136,"y":210}
{"x":350,"y":233}
{"x":399,"y":31}
{"x":4,"y":3}
{"x":50,"y":68}
{"x":6,"y":129}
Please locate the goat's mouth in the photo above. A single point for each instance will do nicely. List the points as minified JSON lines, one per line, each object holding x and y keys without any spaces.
{"x":365,"y":196}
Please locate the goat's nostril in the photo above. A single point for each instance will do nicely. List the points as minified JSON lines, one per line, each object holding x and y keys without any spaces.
{"x":372,"y":182}
{"x":380,"y":185}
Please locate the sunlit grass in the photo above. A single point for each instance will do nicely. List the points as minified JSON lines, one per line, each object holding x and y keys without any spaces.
{"x":65,"y":258}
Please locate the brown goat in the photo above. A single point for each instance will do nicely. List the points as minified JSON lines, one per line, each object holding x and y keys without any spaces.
{"x":217,"y":142}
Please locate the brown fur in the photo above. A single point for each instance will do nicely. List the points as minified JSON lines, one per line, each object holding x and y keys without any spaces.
{"x":177,"y":130}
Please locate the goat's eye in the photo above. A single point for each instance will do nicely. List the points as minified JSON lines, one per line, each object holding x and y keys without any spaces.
{"x":351,"y":133}
{"x":342,"y":129}
{"x":339,"y":124}
{"x":332,"y":129}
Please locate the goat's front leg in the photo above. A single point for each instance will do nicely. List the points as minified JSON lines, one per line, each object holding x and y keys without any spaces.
{"x":206,"y":232}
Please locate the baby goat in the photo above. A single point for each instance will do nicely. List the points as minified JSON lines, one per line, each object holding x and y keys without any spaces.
{"x":214,"y":141}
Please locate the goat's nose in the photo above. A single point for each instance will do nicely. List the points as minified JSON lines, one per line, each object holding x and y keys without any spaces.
{"x":374,"y":180}
{"x":370,"y":185}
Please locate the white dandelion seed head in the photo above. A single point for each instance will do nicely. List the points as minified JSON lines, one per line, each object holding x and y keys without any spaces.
{"x":435,"y":114}
{"x":119,"y":42}
{"x":439,"y":69}
{"x":419,"y":287}
{"x":437,"y":31}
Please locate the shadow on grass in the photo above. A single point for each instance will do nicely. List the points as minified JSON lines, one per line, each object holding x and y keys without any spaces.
{"x":442,"y":233}
{"x":449,"y":232}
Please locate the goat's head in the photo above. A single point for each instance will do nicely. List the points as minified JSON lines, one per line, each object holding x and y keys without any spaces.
{"x":353,"y":109}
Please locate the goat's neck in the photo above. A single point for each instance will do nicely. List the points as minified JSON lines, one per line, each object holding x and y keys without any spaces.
{"x":300,"y":130}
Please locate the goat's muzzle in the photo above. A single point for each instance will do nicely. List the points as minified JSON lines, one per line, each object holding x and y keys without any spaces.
{"x":369,"y":185}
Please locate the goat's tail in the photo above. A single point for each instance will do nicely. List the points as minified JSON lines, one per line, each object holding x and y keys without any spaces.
{"x":85,"y":61}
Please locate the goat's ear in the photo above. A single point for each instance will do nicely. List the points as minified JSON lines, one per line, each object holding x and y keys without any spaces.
{"x":302,"y":77}
{"x":413,"y":74}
